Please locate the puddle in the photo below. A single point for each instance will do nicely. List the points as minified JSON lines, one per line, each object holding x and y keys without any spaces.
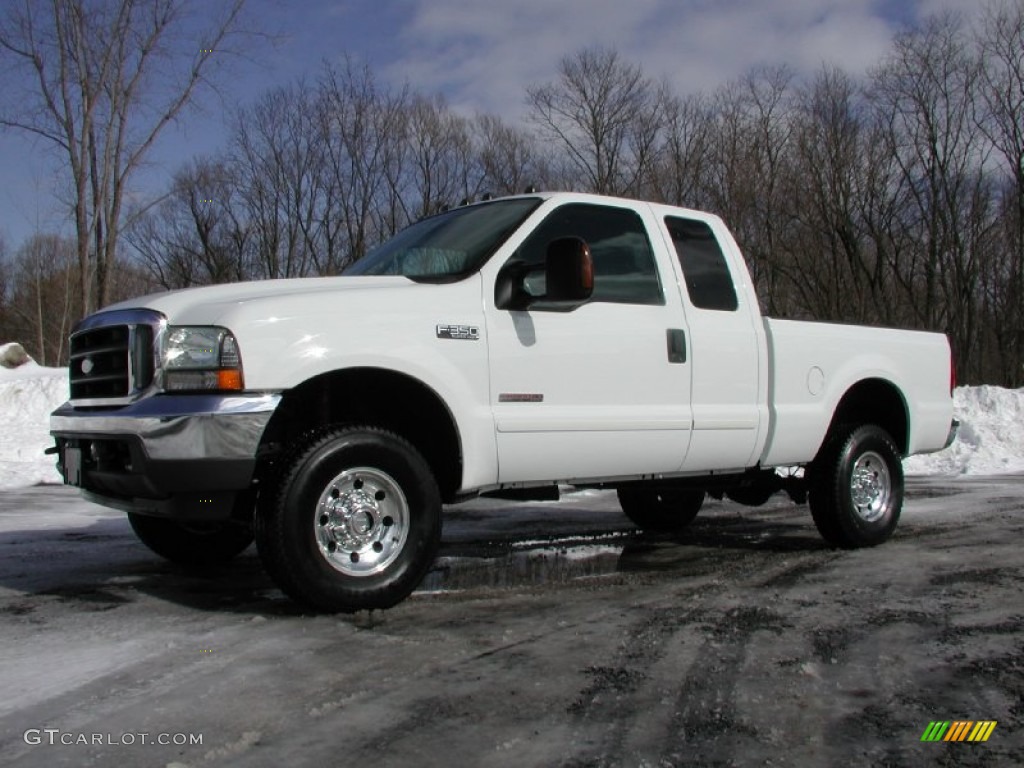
{"x":526,"y":564}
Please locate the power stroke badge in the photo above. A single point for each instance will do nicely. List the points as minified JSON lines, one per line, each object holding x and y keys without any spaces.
{"x":464,"y":332}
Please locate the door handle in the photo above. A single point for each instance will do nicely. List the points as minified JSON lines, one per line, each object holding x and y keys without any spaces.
{"x":676,"y":345}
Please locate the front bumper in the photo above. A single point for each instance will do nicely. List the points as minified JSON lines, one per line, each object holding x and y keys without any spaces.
{"x":171,"y":455}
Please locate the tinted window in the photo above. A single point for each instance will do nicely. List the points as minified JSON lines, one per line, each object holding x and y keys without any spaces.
{"x":449,"y":245}
{"x":708,"y":280}
{"x":624,"y":268}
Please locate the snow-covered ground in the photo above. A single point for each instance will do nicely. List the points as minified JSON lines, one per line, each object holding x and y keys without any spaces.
{"x":991,"y":434}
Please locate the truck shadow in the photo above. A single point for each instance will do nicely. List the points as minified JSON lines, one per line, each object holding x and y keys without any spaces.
{"x":45,"y":568}
{"x":102,"y":567}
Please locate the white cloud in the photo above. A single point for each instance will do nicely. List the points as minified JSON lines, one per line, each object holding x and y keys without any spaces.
{"x":483,"y":55}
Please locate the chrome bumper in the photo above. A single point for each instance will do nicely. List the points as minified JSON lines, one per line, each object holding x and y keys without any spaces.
{"x":175,"y":455}
{"x":177,"y":426}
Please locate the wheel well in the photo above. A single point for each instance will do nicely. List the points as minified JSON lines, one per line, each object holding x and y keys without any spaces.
{"x":875,"y":401}
{"x":377,"y":397}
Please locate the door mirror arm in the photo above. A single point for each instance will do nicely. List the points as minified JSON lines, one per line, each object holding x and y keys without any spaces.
{"x":510,"y":288}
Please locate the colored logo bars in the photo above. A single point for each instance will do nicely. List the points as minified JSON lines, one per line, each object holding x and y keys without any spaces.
{"x":958,"y":730}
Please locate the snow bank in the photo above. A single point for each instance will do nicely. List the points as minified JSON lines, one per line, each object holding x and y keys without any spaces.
{"x":991,"y":440}
{"x":27,"y":395}
{"x":991,"y":433}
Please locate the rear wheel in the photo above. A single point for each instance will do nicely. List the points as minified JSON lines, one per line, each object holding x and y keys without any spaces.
{"x":856,"y":487}
{"x":192,"y":543}
{"x":352,"y":522}
{"x":664,"y":510}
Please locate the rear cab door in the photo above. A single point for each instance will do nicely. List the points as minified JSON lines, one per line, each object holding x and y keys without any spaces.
{"x":728,"y":391}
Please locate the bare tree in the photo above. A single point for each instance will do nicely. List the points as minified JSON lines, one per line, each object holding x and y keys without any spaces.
{"x":106,"y":78}
{"x":679,"y":175}
{"x":839,"y":200}
{"x":279,"y":158}
{"x":196,"y":236}
{"x":605,"y":114}
{"x":1001,"y":120}
{"x":828,"y":250}
{"x":926,"y":90}
{"x":439,"y":169}
{"x":42,"y":296}
{"x":749,"y":151}
{"x":363,"y":127}
{"x":509,"y":158}
{"x":1001,"y":88}
{"x":6,"y":310}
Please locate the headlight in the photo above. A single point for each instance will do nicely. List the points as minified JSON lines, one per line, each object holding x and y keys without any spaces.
{"x":201,"y":358}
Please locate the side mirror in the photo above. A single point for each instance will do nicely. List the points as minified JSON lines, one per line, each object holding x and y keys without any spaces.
{"x":568,"y":270}
{"x":565,"y":281}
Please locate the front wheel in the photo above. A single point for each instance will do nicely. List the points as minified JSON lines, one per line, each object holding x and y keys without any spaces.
{"x":856,"y":487}
{"x":664,"y":510}
{"x":192,"y":543}
{"x":352,"y":522}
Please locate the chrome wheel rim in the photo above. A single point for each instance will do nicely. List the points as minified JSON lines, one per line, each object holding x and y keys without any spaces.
{"x":361,"y":521}
{"x":871,"y":487}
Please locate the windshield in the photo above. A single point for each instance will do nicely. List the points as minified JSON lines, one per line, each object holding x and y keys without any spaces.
{"x":449,"y":245}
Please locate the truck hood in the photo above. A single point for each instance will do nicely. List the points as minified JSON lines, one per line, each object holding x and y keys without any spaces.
{"x":210,"y":304}
{"x":291,"y":330}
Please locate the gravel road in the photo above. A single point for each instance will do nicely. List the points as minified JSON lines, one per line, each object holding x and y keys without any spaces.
{"x":546,"y":635}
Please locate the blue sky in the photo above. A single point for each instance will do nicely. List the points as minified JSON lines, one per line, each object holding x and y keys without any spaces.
{"x":482,"y":54}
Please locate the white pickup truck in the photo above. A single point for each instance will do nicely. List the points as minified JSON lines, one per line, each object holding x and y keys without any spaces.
{"x":504,"y":347}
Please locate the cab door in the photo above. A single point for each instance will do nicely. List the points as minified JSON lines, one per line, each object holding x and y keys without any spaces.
{"x":725,"y":349}
{"x":603,"y":389}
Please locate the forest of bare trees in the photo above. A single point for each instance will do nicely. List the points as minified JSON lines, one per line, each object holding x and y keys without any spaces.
{"x":891,"y":199}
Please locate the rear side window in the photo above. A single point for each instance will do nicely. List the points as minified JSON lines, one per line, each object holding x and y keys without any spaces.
{"x":708,"y":280}
{"x":624,"y":267}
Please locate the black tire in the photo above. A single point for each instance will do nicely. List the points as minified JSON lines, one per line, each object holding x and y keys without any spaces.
{"x":664,"y":510}
{"x":856,"y":487}
{"x":192,"y":543}
{"x":352,"y":522}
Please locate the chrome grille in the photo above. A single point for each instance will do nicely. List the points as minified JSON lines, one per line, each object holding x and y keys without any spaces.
{"x":111,"y":364}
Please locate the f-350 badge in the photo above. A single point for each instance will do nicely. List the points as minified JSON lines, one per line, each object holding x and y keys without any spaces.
{"x":464,"y":332}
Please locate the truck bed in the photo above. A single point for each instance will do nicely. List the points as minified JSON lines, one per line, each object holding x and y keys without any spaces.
{"x":812,"y":365}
